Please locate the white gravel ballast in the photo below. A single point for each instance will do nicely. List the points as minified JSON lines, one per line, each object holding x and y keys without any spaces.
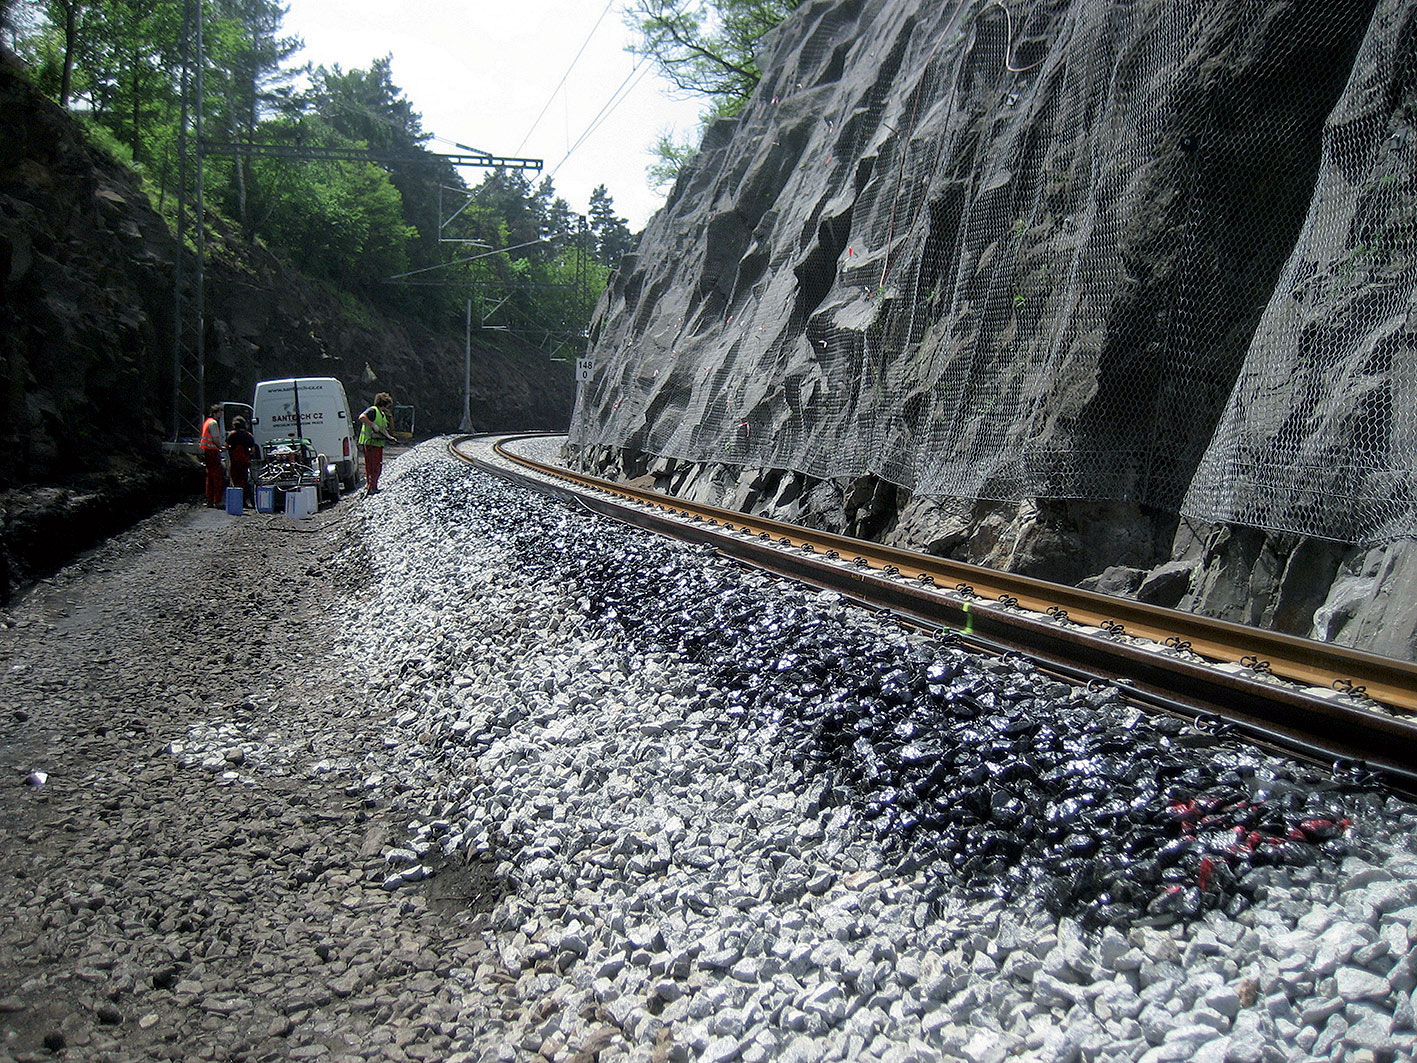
{"x":710,"y":859}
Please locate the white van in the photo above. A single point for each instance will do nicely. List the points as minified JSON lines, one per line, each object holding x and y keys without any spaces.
{"x":314,"y":408}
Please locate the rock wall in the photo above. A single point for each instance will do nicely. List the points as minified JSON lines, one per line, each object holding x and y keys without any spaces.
{"x":985,"y":278}
{"x":86,"y":323}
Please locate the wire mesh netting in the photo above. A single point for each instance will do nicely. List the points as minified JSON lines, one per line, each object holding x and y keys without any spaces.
{"x":1320,"y":434}
{"x":1046,"y":249}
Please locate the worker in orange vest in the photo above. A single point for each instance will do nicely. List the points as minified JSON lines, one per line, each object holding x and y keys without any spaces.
{"x":212,"y":447}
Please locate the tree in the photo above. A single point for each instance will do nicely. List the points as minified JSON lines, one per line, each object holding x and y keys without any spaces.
{"x":118,"y":56}
{"x":612,"y":236}
{"x":572,"y":283}
{"x":132,"y":58}
{"x":251,"y":55}
{"x":520,"y":212}
{"x":671,"y":156}
{"x":706,"y":47}
{"x":563,"y":225}
{"x":251,"y":81}
{"x":366,"y":106}
{"x":338,"y":220}
{"x":54,"y":54}
{"x":358,"y":223}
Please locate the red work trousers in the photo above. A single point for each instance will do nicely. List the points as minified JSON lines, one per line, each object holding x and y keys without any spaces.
{"x":216,"y":476}
{"x":241,"y":477}
{"x":373,"y":465}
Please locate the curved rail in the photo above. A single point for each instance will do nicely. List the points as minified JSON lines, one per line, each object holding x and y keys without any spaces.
{"x":1310,"y":697}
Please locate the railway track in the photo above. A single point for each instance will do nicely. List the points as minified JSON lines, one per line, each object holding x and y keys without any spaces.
{"x":1328,"y":703}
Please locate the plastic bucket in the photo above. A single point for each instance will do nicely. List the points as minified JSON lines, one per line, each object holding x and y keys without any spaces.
{"x":235,"y":500}
{"x":265,"y":500}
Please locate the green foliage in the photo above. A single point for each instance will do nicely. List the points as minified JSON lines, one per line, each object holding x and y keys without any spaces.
{"x":366,"y":106}
{"x":50,"y":35}
{"x":707,"y":47}
{"x":379,"y":226}
{"x":42,"y":49}
{"x":356,"y":310}
{"x":99,"y":136}
{"x":671,"y":156}
{"x":250,"y":72}
{"x":339,"y":220}
{"x":126,"y":51}
{"x":612,"y":236}
{"x":507,"y":212}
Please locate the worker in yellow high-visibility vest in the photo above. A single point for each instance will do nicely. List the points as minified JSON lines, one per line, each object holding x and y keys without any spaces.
{"x":376,"y":429}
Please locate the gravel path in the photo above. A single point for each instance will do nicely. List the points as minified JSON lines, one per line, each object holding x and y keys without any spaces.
{"x":200,"y":874}
{"x":500,"y":780}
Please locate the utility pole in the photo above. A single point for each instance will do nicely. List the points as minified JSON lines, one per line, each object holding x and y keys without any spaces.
{"x":178,"y":312}
{"x":466,"y":425}
{"x":189,"y":392}
{"x":201,"y":231}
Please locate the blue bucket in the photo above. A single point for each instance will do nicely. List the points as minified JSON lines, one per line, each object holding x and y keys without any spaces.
{"x":234,"y":500}
{"x":265,"y":500}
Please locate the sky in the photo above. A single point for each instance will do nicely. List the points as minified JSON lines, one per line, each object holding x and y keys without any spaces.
{"x":481,"y":72}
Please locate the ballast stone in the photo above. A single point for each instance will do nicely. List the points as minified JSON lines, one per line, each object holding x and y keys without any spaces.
{"x":691,"y":784}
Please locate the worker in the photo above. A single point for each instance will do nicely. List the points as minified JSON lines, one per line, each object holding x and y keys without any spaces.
{"x":212,"y":446}
{"x":240,"y":449}
{"x":376,"y":430}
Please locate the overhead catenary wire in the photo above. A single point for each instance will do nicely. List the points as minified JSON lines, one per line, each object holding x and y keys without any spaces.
{"x":561,"y":84}
{"x":470,"y":258}
{"x":616,"y":98}
{"x":627,"y":85}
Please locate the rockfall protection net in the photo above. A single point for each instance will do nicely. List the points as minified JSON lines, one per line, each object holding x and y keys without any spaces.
{"x":1320,"y":435}
{"x":1152,"y":250}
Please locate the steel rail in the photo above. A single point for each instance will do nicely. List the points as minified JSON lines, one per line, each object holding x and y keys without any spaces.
{"x":1312,"y":698}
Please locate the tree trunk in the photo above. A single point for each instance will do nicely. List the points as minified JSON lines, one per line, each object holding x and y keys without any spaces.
{"x":136,"y":115}
{"x":71,"y":34}
{"x":242,"y":161}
